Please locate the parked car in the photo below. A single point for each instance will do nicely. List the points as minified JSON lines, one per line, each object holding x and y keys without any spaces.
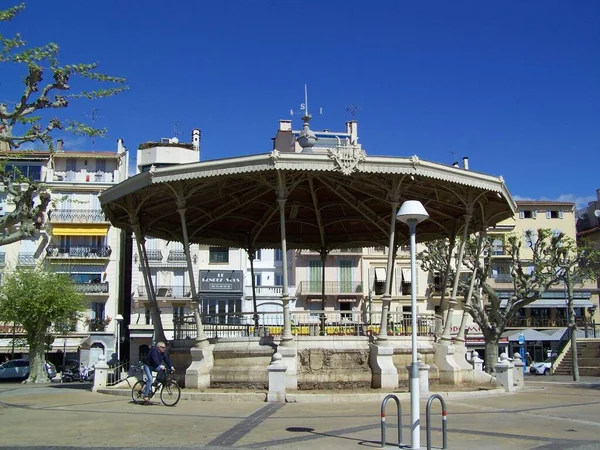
{"x":541,"y":368}
{"x":18,"y":369}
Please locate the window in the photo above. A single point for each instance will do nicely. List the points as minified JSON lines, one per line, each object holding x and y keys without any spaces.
{"x":100,"y":165}
{"x":554,"y":214}
{"x":278,"y":279}
{"x":257,"y":279}
{"x":379,"y":284}
{"x":528,"y":214}
{"x":71,"y":164}
{"x":18,"y":171}
{"x":346,"y":267}
{"x":277,"y":254}
{"x":257,"y":255}
{"x":315,"y":275}
{"x":178,"y":311}
{"x":221,"y":310}
{"x":314,"y":304}
{"x":218,"y":255}
{"x":97,"y":310}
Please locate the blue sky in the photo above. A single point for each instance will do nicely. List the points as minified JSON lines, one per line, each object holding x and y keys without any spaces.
{"x":514,"y":85}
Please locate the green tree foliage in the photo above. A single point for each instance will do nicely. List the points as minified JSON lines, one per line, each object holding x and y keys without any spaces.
{"x":37,"y":298}
{"x":532,"y":272}
{"x":26,"y":118}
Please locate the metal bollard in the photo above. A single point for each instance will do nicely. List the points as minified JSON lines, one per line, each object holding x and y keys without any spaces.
{"x":444,"y":421}
{"x":383,"y":403}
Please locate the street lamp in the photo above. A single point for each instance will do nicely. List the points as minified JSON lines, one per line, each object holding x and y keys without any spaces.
{"x":119,"y":318}
{"x":412,"y":212}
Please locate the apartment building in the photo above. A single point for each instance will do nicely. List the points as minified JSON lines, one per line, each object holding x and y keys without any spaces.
{"x":78,"y":240}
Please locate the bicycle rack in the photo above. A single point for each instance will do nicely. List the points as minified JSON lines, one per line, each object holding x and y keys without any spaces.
{"x":444,"y":422}
{"x":383,"y":403}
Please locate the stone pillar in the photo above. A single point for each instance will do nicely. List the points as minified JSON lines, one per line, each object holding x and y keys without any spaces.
{"x":450,"y":371}
{"x":504,"y":374}
{"x":519,"y":377}
{"x":100,"y":373}
{"x":476,"y":361}
{"x":423,"y":376}
{"x":289,"y":359}
{"x":277,"y":379}
{"x":384,"y":374}
{"x":197,"y":375}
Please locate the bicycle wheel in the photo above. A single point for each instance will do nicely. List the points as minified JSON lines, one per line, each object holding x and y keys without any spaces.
{"x":170,"y":393}
{"x":137,"y":392}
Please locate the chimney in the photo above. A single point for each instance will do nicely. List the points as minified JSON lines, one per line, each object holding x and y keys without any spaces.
{"x":455,"y":164}
{"x":352,"y":130}
{"x":120,"y":146}
{"x":466,"y":162}
{"x":196,"y":139}
{"x":285,"y":125}
{"x":59,"y":145}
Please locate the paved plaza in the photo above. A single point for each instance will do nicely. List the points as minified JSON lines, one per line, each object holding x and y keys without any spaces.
{"x":550,"y":413}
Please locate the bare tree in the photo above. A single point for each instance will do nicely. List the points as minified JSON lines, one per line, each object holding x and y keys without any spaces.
{"x":532,"y":272}
{"x":26,"y":120}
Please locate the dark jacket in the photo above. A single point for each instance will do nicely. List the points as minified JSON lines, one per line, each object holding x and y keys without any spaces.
{"x":154,"y":359}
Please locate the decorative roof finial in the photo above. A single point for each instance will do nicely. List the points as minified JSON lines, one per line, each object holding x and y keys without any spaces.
{"x":306,"y":138}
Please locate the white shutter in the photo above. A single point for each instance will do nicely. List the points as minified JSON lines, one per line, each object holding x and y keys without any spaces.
{"x":521,"y":214}
{"x":548,"y":214}
{"x":534,"y":214}
{"x":560,"y":214}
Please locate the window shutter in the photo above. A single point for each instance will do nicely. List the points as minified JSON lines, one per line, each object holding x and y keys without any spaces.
{"x":534,"y":214}
{"x":521,"y":214}
{"x":560,"y":214}
{"x":548,"y":214}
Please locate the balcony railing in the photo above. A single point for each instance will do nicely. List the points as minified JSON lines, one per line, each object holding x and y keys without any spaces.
{"x":543,"y":322}
{"x":83,"y":176}
{"x":167,"y":291}
{"x":502,"y":278}
{"x":78,"y":251}
{"x":26,"y":259}
{"x":92,"y":288}
{"x":77,"y":215}
{"x":304,"y":323}
{"x":331,"y":287}
{"x":264,"y":291}
{"x":175,"y":255}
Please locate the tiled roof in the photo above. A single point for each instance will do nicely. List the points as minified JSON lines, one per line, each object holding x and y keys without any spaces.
{"x":543,"y":202}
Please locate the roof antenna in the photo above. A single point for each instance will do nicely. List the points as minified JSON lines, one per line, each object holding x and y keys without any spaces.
{"x":93,"y":116}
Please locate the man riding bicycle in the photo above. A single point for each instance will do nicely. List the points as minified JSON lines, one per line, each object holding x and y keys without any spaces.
{"x":156,"y":360}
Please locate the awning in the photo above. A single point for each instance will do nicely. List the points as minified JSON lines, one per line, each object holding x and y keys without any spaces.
{"x":532,"y":335}
{"x":406,"y":275}
{"x":380,"y":273}
{"x":347,"y":300}
{"x":79,"y":230}
{"x":554,"y":303}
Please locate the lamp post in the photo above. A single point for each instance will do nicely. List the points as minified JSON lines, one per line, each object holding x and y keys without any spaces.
{"x":412,"y":212}
{"x":119,"y":318}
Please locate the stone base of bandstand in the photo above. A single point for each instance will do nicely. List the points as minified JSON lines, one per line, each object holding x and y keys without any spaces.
{"x":197,"y":375}
{"x":460,"y":358}
{"x":450,"y":371}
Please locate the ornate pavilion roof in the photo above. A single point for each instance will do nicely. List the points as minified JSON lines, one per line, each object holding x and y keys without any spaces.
{"x":335,"y":200}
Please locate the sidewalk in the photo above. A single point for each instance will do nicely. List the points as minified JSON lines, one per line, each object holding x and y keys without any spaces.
{"x":547,"y":415}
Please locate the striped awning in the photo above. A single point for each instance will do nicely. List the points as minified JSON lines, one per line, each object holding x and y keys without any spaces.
{"x":554,"y":303}
{"x":79,"y":230}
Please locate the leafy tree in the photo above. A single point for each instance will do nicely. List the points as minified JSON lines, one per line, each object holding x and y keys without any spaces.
{"x":533,"y":272}
{"x":579,"y":265}
{"x":26,"y":119}
{"x":37,"y":298}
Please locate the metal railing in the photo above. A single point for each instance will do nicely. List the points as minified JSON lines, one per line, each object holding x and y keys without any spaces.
{"x":117,"y":373}
{"x":502,"y":278}
{"x":545,"y":322}
{"x":26,"y":259}
{"x":331,"y":287}
{"x":77,"y":215}
{"x":167,"y":291}
{"x":92,"y":288}
{"x":303,"y":323}
{"x":176,"y":255}
{"x":78,"y":251}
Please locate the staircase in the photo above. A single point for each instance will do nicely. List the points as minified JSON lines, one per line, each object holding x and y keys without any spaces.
{"x":588,"y":352}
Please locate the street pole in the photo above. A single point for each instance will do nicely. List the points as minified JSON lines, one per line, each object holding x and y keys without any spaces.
{"x":412,"y":212}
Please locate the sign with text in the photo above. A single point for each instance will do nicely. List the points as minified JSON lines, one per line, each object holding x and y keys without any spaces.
{"x":221,"y":280}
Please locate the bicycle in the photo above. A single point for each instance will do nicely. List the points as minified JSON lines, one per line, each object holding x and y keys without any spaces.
{"x":170,"y":392}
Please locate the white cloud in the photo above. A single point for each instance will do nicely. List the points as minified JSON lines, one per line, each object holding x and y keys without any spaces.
{"x":580,"y":201}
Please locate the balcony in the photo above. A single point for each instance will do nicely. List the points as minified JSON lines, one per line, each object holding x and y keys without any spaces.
{"x":26,"y":259}
{"x":92,"y":288}
{"x":331,"y":287}
{"x":78,"y":252}
{"x":502,"y":278}
{"x":264,"y":291}
{"x":77,"y":216}
{"x":175,"y":256}
{"x":382,"y":251}
{"x":83,"y":176}
{"x":162,"y":291}
{"x":154,"y":256}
